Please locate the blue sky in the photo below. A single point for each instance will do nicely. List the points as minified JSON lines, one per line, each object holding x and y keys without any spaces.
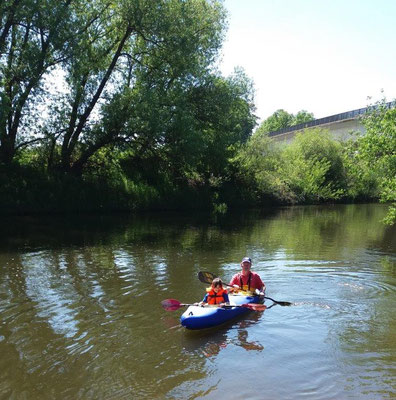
{"x":323,"y":56}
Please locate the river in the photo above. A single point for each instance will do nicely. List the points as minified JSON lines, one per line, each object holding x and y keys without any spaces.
{"x":80,"y":312}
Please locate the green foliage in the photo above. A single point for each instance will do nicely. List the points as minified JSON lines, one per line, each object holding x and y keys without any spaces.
{"x":258,"y":164}
{"x":223,"y":113}
{"x":303,"y":116}
{"x":103,"y":188}
{"x":140,"y":95}
{"x":307,"y":171}
{"x":35,"y":37}
{"x":187,"y":145}
{"x":361,"y":180}
{"x":377,"y":150}
{"x":316,"y":168}
{"x":278,"y":120}
{"x":281,"y":119}
{"x":146,"y":123}
{"x":160,"y":49}
{"x":102,"y":48}
{"x":313,"y":167}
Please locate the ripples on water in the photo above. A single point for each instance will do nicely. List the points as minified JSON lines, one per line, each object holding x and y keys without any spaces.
{"x":80,"y":317}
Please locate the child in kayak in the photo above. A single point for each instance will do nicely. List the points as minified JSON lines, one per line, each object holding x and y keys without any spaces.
{"x":216,"y":294}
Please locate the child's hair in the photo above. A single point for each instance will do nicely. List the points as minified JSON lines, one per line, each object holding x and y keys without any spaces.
{"x":217,"y":282}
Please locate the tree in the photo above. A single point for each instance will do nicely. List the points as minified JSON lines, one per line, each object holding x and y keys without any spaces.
{"x":223,"y":111}
{"x":303,"y":116}
{"x":308,"y":170}
{"x":34,"y":38}
{"x":312,"y":166}
{"x":156,"y":49}
{"x":104,"y":48}
{"x":377,"y":148}
{"x":257,"y":164}
{"x":195,"y":132}
{"x":278,"y":120}
{"x":281,"y":119}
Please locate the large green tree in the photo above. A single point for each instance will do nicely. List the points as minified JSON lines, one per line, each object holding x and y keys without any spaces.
{"x":105,"y":50}
{"x":135,"y":70}
{"x":190,"y":131}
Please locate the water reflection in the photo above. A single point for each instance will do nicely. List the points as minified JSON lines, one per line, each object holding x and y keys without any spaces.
{"x":210,"y":342}
{"x":51,"y":291}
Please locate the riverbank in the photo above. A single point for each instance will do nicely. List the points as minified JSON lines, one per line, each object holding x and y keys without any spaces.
{"x":28,"y":191}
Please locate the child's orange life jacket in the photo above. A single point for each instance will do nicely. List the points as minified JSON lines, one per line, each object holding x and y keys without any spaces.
{"x":216,"y":298}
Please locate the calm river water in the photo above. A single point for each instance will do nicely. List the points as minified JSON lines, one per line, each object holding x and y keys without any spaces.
{"x":80,"y":313}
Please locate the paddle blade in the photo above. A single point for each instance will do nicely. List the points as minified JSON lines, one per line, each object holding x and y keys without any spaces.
{"x":281,"y":303}
{"x":255,"y":306}
{"x":171,"y":304}
{"x":284,"y":303}
{"x":206,"y":277}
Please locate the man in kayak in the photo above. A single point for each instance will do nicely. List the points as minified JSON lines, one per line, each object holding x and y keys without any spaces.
{"x":216,"y":294}
{"x":247,"y":280}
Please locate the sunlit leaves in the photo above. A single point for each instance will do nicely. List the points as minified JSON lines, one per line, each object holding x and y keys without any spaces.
{"x":281,"y":119}
{"x":308,"y":170}
{"x":378,"y":150}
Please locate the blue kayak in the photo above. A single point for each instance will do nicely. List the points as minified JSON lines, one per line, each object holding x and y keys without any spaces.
{"x":197,"y":317}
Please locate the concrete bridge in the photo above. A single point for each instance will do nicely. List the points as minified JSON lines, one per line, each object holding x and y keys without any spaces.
{"x":339,"y":125}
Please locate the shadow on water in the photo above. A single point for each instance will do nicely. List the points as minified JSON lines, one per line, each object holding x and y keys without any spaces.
{"x":24,"y":232}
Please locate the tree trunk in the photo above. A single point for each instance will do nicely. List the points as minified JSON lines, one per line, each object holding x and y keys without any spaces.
{"x":7,"y":150}
{"x":71,"y":139}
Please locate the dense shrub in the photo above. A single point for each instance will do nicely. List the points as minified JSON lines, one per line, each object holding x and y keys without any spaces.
{"x":312,"y":166}
{"x":308,"y":170}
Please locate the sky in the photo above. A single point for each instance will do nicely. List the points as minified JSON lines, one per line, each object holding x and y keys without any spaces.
{"x":323,"y":56}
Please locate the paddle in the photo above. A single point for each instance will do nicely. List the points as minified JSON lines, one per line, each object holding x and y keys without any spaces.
{"x":207,"y":277}
{"x":173,"y":305}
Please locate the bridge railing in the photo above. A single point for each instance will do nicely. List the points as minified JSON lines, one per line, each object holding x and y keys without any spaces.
{"x":332,"y":118}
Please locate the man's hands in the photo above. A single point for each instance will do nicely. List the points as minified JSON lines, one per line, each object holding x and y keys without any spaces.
{"x":234,"y":288}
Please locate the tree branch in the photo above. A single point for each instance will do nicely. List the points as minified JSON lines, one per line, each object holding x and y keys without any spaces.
{"x":98,"y":93}
{"x":7,"y":25}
